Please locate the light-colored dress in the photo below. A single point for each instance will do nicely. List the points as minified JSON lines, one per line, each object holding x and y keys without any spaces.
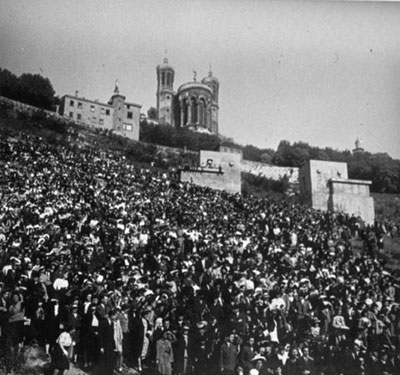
{"x":165,"y":356}
{"x":118,"y":336}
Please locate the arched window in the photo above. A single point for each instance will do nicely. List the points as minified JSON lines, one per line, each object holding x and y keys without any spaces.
{"x":168,"y":79}
{"x":163,"y":78}
{"x":202,"y":112}
{"x":194,"y":117}
{"x":185,"y":112}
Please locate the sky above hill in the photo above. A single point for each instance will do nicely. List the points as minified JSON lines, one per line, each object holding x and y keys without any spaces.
{"x":321,"y":72}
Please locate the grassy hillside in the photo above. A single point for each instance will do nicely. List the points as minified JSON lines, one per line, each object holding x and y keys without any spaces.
{"x":63,"y":132}
{"x":58,"y":131}
{"x":387,"y":206}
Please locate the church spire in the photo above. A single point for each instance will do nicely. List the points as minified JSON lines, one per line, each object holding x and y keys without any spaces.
{"x":116,"y":88}
{"x":165,"y":57}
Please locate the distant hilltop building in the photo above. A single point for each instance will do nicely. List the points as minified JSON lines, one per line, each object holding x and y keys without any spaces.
{"x":358,"y":148}
{"x":193,"y":105}
{"x":118,"y":115}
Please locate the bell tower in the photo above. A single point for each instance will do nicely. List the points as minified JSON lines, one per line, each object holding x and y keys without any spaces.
{"x":213,"y":83}
{"x":165,"y":93}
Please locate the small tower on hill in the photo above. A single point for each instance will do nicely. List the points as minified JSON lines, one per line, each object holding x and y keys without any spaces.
{"x":358,"y":149}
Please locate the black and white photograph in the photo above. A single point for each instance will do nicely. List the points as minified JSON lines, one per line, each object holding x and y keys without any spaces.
{"x":199,"y":187}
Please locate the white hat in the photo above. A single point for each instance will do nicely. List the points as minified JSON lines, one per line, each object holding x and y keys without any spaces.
{"x":258,"y":357}
{"x":369,"y":301}
{"x":16,"y":260}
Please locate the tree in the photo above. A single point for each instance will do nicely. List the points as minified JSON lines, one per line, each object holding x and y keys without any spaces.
{"x":281,"y":156}
{"x":9,"y":85}
{"x":152,"y":113}
{"x":29,"y":88}
{"x":266,"y":157}
{"x":385,"y":173}
{"x":36,"y":90}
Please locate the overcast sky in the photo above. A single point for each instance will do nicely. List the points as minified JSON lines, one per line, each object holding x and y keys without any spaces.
{"x":320,"y":72}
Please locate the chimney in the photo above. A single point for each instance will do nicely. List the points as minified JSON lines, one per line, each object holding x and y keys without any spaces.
{"x":76,"y":93}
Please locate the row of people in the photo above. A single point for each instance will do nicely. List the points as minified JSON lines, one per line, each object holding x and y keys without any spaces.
{"x":90,"y":243}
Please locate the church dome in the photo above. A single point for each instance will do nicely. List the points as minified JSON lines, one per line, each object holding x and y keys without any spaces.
{"x":165,"y":66}
{"x":193,"y":86}
{"x":210,"y":79}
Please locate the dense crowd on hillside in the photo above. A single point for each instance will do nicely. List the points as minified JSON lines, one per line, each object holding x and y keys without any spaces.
{"x":108,"y":266}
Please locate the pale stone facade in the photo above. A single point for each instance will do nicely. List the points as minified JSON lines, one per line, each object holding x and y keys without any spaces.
{"x":217,"y":170}
{"x":324,"y":185}
{"x":118,"y":115}
{"x":352,"y":196}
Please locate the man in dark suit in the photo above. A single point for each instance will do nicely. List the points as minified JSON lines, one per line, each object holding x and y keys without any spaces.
{"x":201,"y":349}
{"x":246,"y":355}
{"x":184,"y":352}
{"x":229,"y":356}
{"x":306,"y":362}
{"x":351,"y":360}
{"x":107,"y":345}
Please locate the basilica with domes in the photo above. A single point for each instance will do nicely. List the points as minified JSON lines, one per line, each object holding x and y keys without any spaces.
{"x":193,"y":105}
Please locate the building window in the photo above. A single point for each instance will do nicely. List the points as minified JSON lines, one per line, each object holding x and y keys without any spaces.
{"x":92,"y":108}
{"x":94,"y":119}
{"x":71,"y":114}
{"x":107,"y":112}
{"x":79,"y":105}
{"x":128,"y":127}
{"x":101,"y":121}
{"x":102,"y":110}
{"x":128,"y":106}
{"x":79,"y":116}
{"x":130,"y":115}
{"x":168,"y":97}
{"x":71,"y":103}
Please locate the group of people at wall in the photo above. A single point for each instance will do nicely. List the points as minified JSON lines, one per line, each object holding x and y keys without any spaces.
{"x":111,"y":266}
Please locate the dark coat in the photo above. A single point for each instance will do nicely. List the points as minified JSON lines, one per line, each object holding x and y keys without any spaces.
{"x":52,"y":322}
{"x":106,"y":335}
{"x":307,"y":365}
{"x":292,"y":367}
{"x":136,"y":335}
{"x":182,"y":348}
{"x":201,"y":349}
{"x":245,"y":357}
{"x":351,"y":364}
{"x":229,"y":357}
{"x":106,"y":343}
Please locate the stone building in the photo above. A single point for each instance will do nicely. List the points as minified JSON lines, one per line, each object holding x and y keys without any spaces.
{"x":216,"y":170}
{"x":193,"y":105}
{"x":324,"y":185}
{"x":118,"y":115}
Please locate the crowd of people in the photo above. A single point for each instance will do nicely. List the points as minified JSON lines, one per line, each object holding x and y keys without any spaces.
{"x":112,"y":266}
